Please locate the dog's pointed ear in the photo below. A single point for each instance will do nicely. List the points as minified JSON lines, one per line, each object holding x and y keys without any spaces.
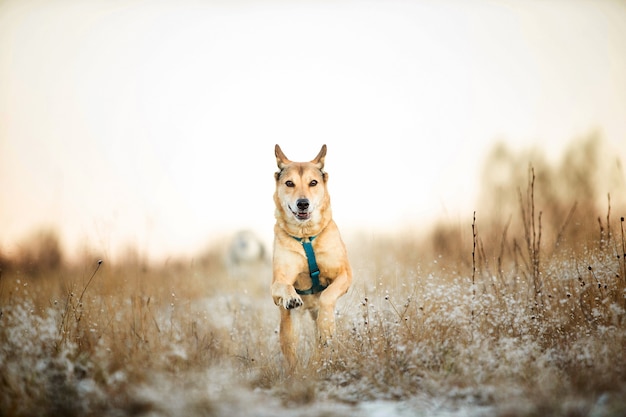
{"x":319,"y":159}
{"x":281,"y":160}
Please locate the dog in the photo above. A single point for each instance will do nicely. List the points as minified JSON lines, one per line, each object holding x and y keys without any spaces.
{"x":245,"y":255}
{"x":310,"y":262}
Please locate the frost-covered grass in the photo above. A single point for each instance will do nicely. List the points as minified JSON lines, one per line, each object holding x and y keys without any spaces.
{"x":497,"y":324}
{"x":413,"y":336}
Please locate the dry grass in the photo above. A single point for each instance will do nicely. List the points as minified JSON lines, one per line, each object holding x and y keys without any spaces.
{"x":513,"y":318}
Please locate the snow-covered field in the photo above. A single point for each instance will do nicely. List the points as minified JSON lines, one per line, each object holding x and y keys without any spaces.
{"x":417,"y":335}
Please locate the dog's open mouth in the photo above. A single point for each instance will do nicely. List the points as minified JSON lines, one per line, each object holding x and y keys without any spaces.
{"x":301,"y":214}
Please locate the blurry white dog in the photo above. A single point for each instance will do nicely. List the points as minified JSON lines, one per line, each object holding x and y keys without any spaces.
{"x":245,"y":253}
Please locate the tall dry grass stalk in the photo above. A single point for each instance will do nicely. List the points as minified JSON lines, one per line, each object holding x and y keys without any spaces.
{"x":532,"y":236}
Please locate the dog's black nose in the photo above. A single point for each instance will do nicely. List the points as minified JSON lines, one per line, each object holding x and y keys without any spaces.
{"x":303,"y":204}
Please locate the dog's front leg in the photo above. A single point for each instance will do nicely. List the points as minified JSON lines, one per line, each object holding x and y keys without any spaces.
{"x":328,"y":299}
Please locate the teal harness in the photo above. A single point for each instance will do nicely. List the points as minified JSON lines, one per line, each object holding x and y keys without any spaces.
{"x":314,"y":270}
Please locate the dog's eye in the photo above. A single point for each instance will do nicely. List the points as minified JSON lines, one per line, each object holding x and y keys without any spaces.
{"x":313,"y":183}
{"x":290,"y":184}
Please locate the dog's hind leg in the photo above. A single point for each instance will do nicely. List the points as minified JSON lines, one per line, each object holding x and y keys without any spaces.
{"x":314,"y":313}
{"x":287,"y":338}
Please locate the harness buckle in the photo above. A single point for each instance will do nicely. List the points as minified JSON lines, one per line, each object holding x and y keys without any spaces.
{"x":314,"y":271}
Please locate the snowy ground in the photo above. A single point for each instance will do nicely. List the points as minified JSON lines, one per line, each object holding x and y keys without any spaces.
{"x":411,"y":340}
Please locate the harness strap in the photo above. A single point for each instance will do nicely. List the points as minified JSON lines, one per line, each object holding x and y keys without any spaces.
{"x":314,"y":270}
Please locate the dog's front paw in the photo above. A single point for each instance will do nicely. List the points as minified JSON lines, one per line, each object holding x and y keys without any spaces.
{"x":286,"y":296}
{"x":288,"y":303}
{"x":294,"y":302}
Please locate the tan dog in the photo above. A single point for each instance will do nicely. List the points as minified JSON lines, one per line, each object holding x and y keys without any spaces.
{"x":304,"y":217}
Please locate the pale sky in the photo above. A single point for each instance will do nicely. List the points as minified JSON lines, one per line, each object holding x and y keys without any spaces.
{"x":153,"y":123}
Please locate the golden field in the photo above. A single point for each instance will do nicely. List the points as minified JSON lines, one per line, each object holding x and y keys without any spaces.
{"x":520,"y":311}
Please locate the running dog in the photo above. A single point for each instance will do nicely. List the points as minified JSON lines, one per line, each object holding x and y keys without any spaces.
{"x":310,"y":263}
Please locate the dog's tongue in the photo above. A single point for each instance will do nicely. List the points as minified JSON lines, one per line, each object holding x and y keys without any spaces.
{"x":303,"y":215}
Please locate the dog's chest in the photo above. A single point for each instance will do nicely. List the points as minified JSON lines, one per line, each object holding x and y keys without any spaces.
{"x":329,"y":267}
{"x":328,"y":262}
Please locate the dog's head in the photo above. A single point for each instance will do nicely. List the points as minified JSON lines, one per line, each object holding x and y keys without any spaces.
{"x":301,"y":188}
